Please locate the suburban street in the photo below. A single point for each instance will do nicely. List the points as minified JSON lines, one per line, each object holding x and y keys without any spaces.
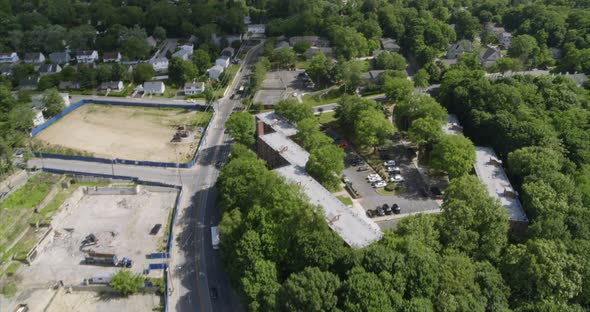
{"x":194,"y":266}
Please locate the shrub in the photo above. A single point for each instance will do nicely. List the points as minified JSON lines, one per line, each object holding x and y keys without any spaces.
{"x":390,"y":187}
{"x":126,"y":283}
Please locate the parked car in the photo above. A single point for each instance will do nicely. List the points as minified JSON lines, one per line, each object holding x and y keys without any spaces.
{"x":396,"y":209}
{"x":343,"y":144}
{"x":345,"y":179}
{"x":373,"y":177}
{"x":436,"y":192}
{"x":379,"y":184}
{"x":362,"y":168}
{"x":371,"y":213}
{"x":394,"y":170}
{"x":387,"y":209}
{"x":356,"y":161}
{"x":389,"y":163}
{"x":213,"y":293}
{"x":397,"y":178}
{"x":380,"y":211}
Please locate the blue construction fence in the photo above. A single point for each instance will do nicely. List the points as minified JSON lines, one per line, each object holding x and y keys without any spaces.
{"x":151,"y":183}
{"x":74,"y":106}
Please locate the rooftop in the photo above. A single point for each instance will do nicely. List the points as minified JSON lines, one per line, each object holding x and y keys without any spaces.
{"x":490,"y":172}
{"x":452,"y":126}
{"x":349,"y":223}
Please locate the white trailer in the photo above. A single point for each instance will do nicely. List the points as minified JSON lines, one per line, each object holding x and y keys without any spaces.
{"x":214,"y":237}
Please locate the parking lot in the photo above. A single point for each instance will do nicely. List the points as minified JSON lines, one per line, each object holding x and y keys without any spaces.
{"x":279,"y":85}
{"x":414,"y":198}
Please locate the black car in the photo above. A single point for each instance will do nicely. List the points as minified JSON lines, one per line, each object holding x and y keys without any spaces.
{"x":371,"y":213}
{"x":355,"y":162}
{"x":396,"y":209}
{"x":380,"y":211}
{"x":387,"y":209}
{"x":213,"y":293}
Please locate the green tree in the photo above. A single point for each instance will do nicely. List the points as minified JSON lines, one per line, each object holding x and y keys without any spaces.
{"x":372,"y":128}
{"x":319,"y":68}
{"x":397,"y":89}
{"x":261,"y":287}
{"x":458,"y":289}
{"x":425,"y":132}
{"x":54,"y":103}
{"x":418,"y":106}
{"x":126,"y":283}
{"x":364,"y":292}
{"x":492,"y":285}
{"x":348,"y":42}
{"x":454,"y":154}
{"x":241,"y":127}
{"x":181,"y":71}
{"x":301,"y":46}
{"x":159,"y":33}
{"x":350,"y":73}
{"x":421,"y":78}
{"x":285,"y":57}
{"x":325,"y":164}
{"x":466,"y":25}
{"x":310,"y":290}
{"x":293,"y":111}
{"x":308,"y":132}
{"x":533,"y":160}
{"x":135,"y":49}
{"x":143,"y":72}
{"x":542,"y":270}
{"x":391,"y":60}
{"x":471,"y":220}
{"x":202,"y":60}
{"x":522,"y":47}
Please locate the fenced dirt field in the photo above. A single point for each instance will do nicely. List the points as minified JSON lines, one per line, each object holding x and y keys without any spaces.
{"x":124,"y":132}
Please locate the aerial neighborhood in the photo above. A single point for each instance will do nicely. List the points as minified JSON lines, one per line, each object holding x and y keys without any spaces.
{"x":359,"y":155}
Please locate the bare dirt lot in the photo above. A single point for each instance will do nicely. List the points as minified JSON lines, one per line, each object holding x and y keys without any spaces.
{"x":90,"y":301}
{"x":122,"y":224}
{"x":134,"y":133}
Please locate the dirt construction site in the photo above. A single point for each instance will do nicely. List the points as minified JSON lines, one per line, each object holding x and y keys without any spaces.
{"x":124,"y":132}
{"x":122,"y":225}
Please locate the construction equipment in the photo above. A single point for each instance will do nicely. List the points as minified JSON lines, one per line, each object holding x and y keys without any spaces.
{"x":107,"y":259}
{"x":89,"y":241}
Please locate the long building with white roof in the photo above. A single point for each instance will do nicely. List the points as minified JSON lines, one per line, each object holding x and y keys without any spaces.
{"x":289,"y":159}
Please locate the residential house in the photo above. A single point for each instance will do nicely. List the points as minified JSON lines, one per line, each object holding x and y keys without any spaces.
{"x":34,"y":58}
{"x":311,"y":52}
{"x":87,"y":56}
{"x":225,"y":39}
{"x":111,"y":57}
{"x":59,"y":57}
{"x":229,"y":52}
{"x":113,"y":86}
{"x":8,"y":57}
{"x":30,"y":83}
{"x":49,"y":69}
{"x":73,"y":85}
{"x":38,"y":118}
{"x":488,"y":56}
{"x":192,"y":88}
{"x":151,"y":42}
{"x":314,"y":41}
{"x":281,"y":45}
{"x":187,"y":46}
{"x":371,"y":76}
{"x":222,"y":61}
{"x":154,"y":87}
{"x":505,"y":39}
{"x":247,"y":20}
{"x":456,"y":49}
{"x":259,"y":29}
{"x":389,"y":45}
{"x":159,"y":64}
{"x":215,"y":71}
{"x":183,"y":54}
{"x":6,"y":70}
{"x":494,"y":29}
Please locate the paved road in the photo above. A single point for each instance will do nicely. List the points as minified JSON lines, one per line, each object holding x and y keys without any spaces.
{"x":195,"y":267}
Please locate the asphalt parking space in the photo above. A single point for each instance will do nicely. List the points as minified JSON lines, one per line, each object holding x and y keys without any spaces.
{"x":412,"y":200}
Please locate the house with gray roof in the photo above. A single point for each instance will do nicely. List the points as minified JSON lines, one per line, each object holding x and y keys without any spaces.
{"x":215,"y":71}
{"x":49,"y":69}
{"x":29,"y":83}
{"x":488,"y":56}
{"x":456,"y":49}
{"x":6,"y":70}
{"x":113,"y":86}
{"x":34,"y":58}
{"x":65,"y":85}
{"x":59,"y":57}
{"x":389,"y":45}
{"x":154,"y":87}
{"x":9,"y":57}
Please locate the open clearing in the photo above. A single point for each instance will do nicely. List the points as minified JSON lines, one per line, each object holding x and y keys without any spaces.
{"x":124,"y":132}
{"x":122,"y":225}
{"x":89,"y":301}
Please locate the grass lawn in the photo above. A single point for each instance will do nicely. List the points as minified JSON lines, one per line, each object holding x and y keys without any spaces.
{"x":345,"y":200}
{"x":31,"y":194}
{"x":301,"y":64}
{"x":332,"y":96}
{"x":326,"y":118}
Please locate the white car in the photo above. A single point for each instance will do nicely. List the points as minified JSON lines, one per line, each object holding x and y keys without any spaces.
{"x":397,"y":178}
{"x":393,"y":169}
{"x":379,"y":184}
{"x":389,"y":163}
{"x":374,"y":178}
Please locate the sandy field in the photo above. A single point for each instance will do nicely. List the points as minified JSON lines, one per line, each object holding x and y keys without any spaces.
{"x":121,"y":223}
{"x":90,"y":301}
{"x":133,"y":133}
